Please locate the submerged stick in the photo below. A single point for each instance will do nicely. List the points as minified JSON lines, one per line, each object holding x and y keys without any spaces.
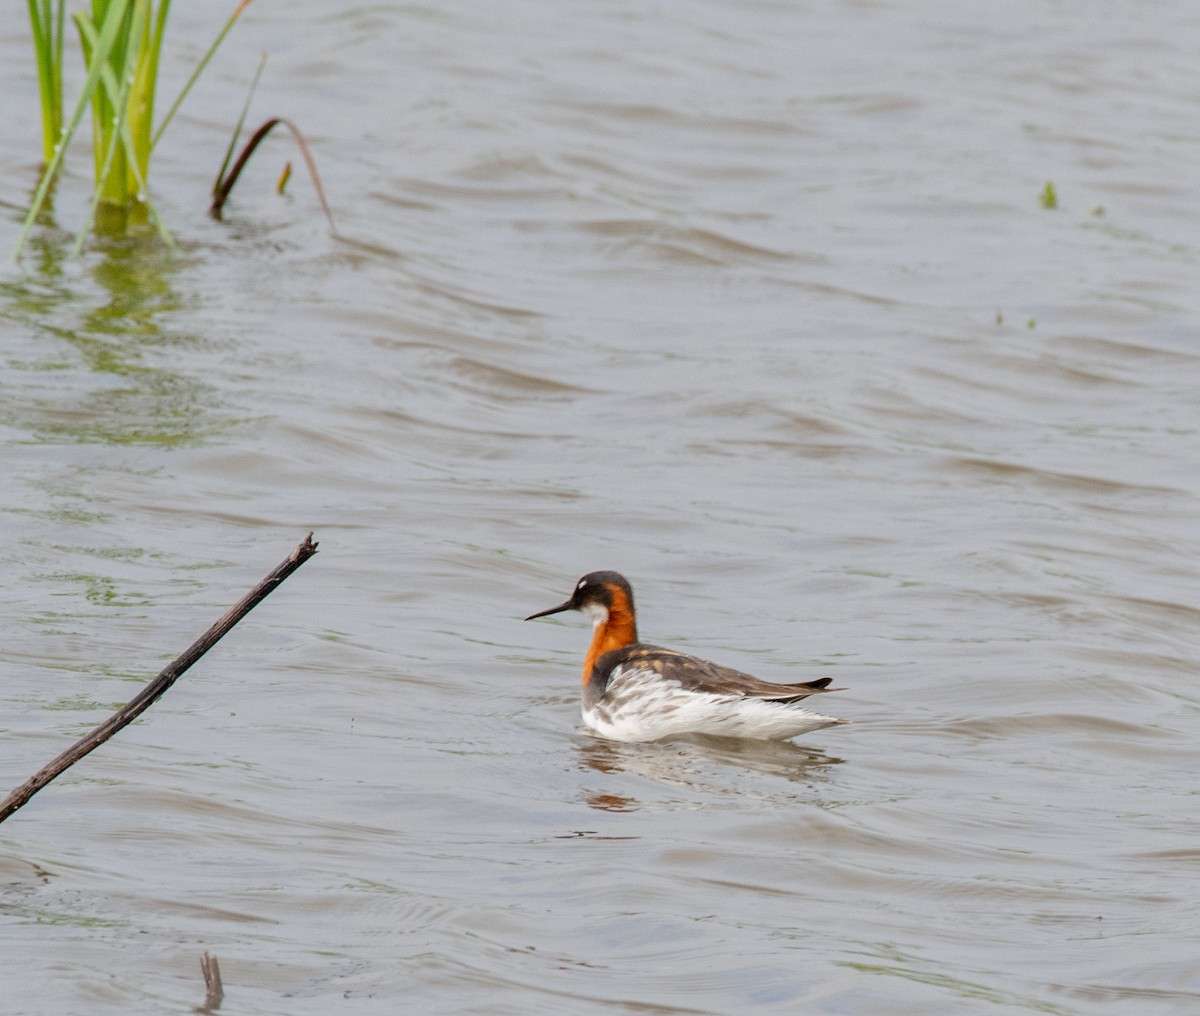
{"x":155,"y":689}
{"x":214,"y":991}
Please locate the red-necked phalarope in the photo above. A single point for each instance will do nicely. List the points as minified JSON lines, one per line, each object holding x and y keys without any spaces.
{"x":635,"y":692}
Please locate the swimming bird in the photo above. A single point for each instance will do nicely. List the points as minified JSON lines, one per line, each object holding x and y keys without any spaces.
{"x":638,"y":692}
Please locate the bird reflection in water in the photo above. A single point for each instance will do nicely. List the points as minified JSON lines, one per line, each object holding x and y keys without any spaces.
{"x":701,"y":764}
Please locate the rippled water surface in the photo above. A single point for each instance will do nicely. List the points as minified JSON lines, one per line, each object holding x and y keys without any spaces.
{"x":756,"y":303}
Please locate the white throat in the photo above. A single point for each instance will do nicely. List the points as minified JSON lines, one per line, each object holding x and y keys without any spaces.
{"x":596,"y":611}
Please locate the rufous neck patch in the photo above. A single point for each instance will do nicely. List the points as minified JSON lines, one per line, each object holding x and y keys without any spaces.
{"x":618,"y":630}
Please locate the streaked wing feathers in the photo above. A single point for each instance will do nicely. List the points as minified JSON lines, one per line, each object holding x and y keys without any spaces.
{"x":694,"y":674}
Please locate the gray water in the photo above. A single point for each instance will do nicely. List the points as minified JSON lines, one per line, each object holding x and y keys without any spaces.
{"x":755,"y":303}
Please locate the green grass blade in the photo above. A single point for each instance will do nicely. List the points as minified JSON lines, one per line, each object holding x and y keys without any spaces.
{"x":237,"y":130}
{"x":145,"y":86}
{"x":104,"y":44}
{"x":45,"y":20}
{"x":59,"y":26}
{"x":198,"y":71}
{"x":42,"y":51}
{"x":103,"y":172}
{"x":107,"y":110}
{"x":118,"y":139}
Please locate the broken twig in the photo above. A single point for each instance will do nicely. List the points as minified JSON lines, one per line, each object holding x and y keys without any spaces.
{"x":155,"y":689}
{"x":214,"y":992}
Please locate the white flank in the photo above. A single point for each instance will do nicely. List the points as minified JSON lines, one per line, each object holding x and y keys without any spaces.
{"x":640,"y":704}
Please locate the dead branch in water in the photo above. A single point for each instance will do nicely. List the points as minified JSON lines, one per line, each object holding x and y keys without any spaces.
{"x":155,"y":689}
{"x":214,"y":992}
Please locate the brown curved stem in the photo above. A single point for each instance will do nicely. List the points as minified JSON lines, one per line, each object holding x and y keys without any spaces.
{"x":224,"y":185}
